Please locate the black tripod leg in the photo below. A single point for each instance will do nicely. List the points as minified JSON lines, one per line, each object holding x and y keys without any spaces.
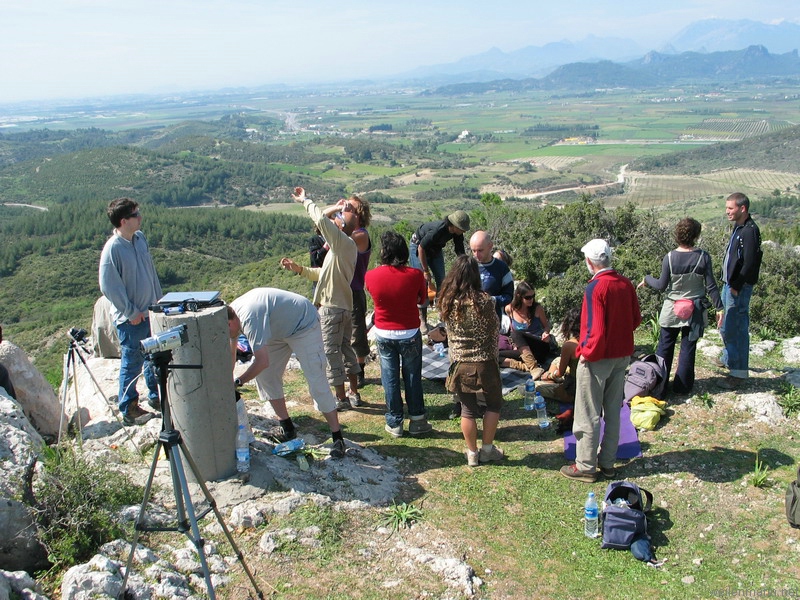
{"x":213,"y":504}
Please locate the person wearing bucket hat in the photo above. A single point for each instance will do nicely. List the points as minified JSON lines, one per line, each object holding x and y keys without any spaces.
{"x":426,"y":250}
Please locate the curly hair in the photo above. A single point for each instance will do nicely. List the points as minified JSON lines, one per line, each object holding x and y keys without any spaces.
{"x":687,"y":231}
{"x":461,"y":285}
{"x":361,"y":209}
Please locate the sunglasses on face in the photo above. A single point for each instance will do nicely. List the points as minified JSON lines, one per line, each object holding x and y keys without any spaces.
{"x":529,"y":297}
{"x":133,"y":215}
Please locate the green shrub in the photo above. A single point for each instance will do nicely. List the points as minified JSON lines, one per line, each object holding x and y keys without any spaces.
{"x":76,"y":504}
{"x":399,"y":516}
{"x":759,"y":475}
{"x":789,"y":399}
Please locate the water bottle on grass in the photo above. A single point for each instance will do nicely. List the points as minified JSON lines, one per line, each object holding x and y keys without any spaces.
{"x":590,"y":516}
{"x":529,"y":395}
{"x":541,"y":410}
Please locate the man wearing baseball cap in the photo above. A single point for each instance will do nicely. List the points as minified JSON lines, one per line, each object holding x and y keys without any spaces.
{"x":426,"y":250}
{"x":609,"y":315}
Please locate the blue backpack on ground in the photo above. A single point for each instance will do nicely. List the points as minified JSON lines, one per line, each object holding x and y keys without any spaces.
{"x":646,"y":377}
{"x":624,"y":522}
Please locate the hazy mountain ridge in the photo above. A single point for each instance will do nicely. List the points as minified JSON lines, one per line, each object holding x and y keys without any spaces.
{"x":716,"y":35}
{"x":531,"y":61}
{"x":710,"y":35}
{"x":654,"y":69}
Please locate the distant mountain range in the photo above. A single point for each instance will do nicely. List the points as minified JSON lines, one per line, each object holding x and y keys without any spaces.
{"x":708,"y":36}
{"x":653,"y":70}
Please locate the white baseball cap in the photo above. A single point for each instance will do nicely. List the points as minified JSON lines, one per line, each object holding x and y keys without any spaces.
{"x":597,"y":250}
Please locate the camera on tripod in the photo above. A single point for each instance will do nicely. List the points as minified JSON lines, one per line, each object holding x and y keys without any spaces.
{"x":166,"y":340}
{"x":78,"y":335}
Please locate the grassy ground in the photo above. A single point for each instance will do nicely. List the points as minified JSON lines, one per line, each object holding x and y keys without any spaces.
{"x":518,"y":524}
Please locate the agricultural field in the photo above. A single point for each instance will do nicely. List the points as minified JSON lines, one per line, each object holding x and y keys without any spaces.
{"x":455,"y":148}
{"x":653,"y":190}
{"x":716,"y":130}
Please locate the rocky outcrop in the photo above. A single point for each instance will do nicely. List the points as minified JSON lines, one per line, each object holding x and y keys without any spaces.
{"x":91,"y":404}
{"x":34,"y":394}
{"x":105,"y":340}
{"x":18,"y":584}
{"x":19,"y":444}
{"x":791,"y":350}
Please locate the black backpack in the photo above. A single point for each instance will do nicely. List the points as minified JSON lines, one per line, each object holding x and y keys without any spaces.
{"x":793,"y":502}
{"x":646,"y":377}
{"x":623,"y":516}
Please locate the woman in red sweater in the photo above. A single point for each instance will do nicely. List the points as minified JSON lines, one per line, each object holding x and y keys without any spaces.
{"x":396,"y":291}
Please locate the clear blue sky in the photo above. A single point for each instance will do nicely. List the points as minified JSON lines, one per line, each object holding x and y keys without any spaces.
{"x":82,"y":48}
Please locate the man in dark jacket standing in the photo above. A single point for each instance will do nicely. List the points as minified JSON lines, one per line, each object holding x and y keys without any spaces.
{"x":609,"y":315}
{"x":740,"y":268}
{"x":426,"y":250}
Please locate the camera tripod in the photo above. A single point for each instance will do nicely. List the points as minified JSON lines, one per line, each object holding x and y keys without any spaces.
{"x":76,"y":336}
{"x":170,"y":440}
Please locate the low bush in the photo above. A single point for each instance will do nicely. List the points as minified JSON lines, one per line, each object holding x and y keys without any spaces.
{"x":76,"y":504}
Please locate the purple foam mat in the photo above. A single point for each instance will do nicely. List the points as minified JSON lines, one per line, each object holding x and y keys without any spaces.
{"x":629,"y":446}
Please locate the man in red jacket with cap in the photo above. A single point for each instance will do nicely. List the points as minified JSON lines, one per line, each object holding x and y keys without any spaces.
{"x":609,"y":315}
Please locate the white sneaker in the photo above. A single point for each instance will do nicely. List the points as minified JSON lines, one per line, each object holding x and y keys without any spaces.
{"x":394,"y":431}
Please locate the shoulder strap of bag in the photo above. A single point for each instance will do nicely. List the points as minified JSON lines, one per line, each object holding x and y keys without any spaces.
{"x":699,"y":260}
{"x":648,"y":499}
{"x":669,"y":260}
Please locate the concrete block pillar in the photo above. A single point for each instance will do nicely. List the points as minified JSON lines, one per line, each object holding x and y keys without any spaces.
{"x":203,"y":401}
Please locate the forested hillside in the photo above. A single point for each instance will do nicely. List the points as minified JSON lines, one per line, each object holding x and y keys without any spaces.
{"x":49,"y":259}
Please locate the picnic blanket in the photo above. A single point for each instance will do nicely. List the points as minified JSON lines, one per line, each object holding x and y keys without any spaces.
{"x":434,"y":367}
{"x":629,"y":446}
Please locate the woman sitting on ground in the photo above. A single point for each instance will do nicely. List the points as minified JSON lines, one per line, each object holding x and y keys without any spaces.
{"x":472,"y":329}
{"x":559,"y":380}
{"x":530,"y":329}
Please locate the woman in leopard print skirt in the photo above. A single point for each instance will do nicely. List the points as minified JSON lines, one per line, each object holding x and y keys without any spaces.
{"x":472,"y":329}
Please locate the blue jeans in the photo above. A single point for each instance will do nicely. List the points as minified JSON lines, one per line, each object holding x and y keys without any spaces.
{"x":406,"y":356}
{"x":436,"y":264}
{"x":735,"y":330}
{"x":132,"y":359}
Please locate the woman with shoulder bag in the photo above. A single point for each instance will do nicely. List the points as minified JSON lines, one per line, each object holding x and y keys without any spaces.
{"x":687,"y":276}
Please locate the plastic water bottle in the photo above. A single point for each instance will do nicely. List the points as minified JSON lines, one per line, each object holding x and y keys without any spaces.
{"x":438,"y":347}
{"x":290,"y":447}
{"x":590,"y":516}
{"x":541,"y":410}
{"x":242,"y":451}
{"x":529,"y":396}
